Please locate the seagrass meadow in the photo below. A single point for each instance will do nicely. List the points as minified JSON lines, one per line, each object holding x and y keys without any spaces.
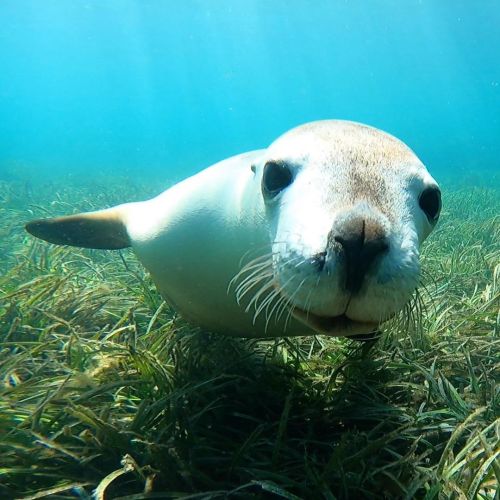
{"x":106,"y":393}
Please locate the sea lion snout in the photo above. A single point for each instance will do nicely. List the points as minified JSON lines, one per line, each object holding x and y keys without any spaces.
{"x":360,"y":242}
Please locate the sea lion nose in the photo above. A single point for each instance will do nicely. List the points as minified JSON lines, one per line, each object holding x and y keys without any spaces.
{"x":362,"y":241}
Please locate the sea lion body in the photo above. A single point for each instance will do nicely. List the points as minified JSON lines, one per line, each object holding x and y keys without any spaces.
{"x":320,"y":232}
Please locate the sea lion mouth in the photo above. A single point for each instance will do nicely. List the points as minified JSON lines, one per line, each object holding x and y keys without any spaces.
{"x":337,"y":326}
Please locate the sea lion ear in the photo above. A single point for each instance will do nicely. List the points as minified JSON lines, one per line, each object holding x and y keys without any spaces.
{"x":104,"y":229}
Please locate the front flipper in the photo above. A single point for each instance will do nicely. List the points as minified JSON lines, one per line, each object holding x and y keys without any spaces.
{"x":104,"y":229}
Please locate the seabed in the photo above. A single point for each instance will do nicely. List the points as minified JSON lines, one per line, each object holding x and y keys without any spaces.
{"x":106,"y":393}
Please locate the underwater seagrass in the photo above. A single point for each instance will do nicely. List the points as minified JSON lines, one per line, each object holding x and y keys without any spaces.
{"x":320,"y":232}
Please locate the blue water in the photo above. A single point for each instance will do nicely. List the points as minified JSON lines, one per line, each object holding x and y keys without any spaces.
{"x":165,"y":88}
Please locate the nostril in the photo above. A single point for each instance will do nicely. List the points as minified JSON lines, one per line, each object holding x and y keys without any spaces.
{"x":378,"y":246}
{"x":351,"y":242}
{"x":372,"y":248}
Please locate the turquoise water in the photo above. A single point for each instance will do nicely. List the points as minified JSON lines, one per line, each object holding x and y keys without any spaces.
{"x":165,"y":88}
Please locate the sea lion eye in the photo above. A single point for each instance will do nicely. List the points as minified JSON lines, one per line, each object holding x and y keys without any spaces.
{"x":430,"y":203}
{"x":276,"y":177}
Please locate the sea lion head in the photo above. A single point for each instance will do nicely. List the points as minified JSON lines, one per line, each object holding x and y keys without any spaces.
{"x":348,"y":207}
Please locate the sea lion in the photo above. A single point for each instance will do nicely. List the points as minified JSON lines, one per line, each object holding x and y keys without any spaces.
{"x":318,"y":233}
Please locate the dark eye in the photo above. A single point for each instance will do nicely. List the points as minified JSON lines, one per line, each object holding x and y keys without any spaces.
{"x":276,"y":177}
{"x":430,"y":203}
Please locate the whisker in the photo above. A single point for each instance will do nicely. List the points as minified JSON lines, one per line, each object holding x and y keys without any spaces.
{"x":307,"y":304}
{"x":250,"y":282}
{"x":259,"y":293}
{"x":265,"y":304}
{"x":251,"y":285}
{"x":283,"y":306}
{"x":289,"y":301}
{"x":301,"y":262}
{"x":290,"y":309}
{"x":268,"y":300}
{"x":279,"y":288}
{"x":262,"y":261}
{"x":254,"y":266}
{"x":257,"y":269}
{"x":251,"y":251}
{"x":269,"y":314}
